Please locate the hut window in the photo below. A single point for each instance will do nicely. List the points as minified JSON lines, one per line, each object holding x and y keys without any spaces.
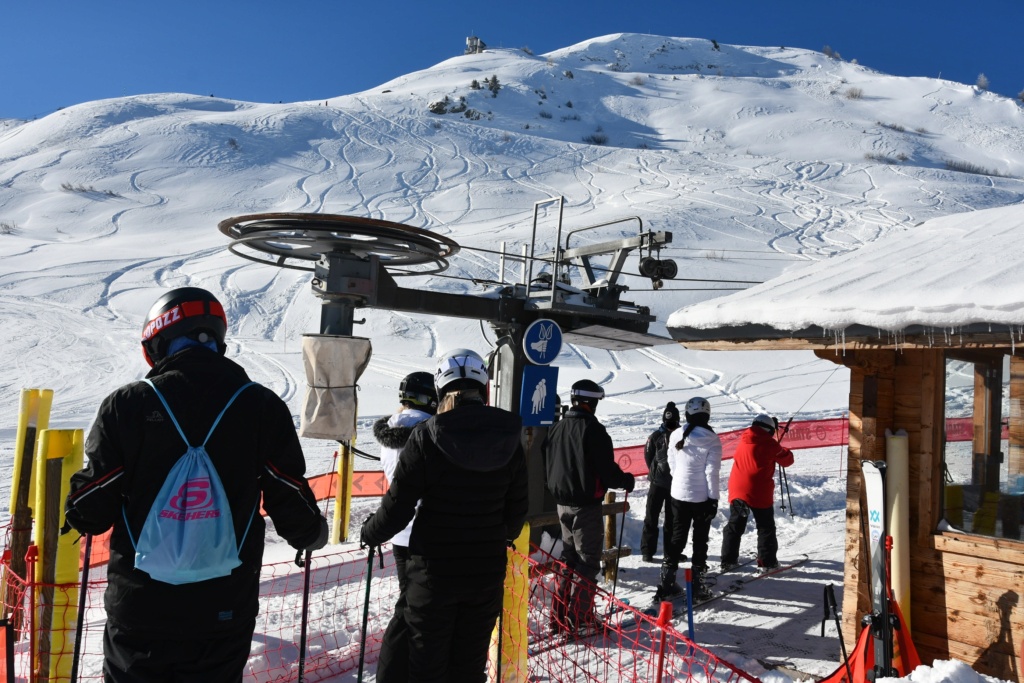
{"x":983,"y":444}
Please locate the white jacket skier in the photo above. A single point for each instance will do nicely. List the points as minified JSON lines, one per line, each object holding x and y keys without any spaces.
{"x":694,"y":459}
{"x":402,"y":423}
{"x":695,"y":469}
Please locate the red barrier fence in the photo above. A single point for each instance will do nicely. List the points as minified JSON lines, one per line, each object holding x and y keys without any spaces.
{"x":626,"y":647}
{"x":801,"y":435}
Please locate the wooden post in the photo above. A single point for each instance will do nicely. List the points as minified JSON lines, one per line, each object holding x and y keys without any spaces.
{"x":34,"y":415}
{"x":611,"y":566}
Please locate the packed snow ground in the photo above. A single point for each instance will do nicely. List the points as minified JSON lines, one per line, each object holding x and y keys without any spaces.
{"x":759,"y":160}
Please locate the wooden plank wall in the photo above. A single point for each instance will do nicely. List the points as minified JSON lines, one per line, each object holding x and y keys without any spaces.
{"x":965,"y":589}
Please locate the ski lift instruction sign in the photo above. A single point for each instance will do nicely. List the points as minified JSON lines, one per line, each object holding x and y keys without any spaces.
{"x":537,"y":404}
{"x":542,"y":342}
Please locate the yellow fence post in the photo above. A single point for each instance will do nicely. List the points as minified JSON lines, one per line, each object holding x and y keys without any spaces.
{"x":343,"y":494}
{"x":508,"y":664}
{"x":59,"y":454}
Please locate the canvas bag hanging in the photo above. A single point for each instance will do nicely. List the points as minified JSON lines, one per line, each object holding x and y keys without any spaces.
{"x":189,"y":533}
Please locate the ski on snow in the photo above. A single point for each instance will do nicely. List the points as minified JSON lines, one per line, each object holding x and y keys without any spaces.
{"x":679,"y":601}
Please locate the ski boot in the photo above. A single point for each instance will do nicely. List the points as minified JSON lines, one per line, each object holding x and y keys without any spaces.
{"x":701,"y":592}
{"x":667,"y":586}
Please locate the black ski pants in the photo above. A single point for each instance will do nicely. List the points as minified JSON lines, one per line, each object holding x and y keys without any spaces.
{"x":395,"y":667}
{"x":582,"y":544}
{"x":657,"y":498}
{"x":449,"y":623}
{"x":133,"y":657}
{"x":684,"y":515}
{"x":767,"y":543}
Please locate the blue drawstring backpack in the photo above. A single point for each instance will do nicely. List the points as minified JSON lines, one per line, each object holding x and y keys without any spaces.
{"x":189,"y":534}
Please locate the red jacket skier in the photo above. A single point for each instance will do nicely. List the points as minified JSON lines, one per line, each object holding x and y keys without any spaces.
{"x":752,"y":491}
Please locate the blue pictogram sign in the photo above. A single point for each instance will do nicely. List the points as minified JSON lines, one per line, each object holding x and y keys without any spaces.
{"x":542,"y":341}
{"x":537,"y":404}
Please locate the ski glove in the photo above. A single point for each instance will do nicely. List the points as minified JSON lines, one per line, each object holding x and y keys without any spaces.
{"x":321,"y":537}
{"x":712,"y":509}
{"x":365,"y":539}
{"x":630,"y":483}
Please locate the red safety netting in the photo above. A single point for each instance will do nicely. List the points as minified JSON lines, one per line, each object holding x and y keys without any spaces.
{"x":626,"y":645}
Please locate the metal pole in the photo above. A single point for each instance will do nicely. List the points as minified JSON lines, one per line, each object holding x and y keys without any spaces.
{"x":688,"y":573}
{"x":305,"y":613}
{"x":366,"y":614}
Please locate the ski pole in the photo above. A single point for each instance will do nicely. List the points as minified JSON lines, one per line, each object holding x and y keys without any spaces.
{"x":783,"y":479}
{"x":831,"y":609}
{"x":782,"y":493}
{"x":80,"y":621}
{"x":305,"y":564}
{"x":366,"y":611}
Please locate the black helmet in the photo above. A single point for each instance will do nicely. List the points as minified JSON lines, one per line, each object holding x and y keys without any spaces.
{"x":418,"y":390}
{"x":586,"y":391}
{"x":183,"y":312}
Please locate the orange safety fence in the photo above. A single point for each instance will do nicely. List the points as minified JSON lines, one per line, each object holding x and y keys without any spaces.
{"x":626,"y":647}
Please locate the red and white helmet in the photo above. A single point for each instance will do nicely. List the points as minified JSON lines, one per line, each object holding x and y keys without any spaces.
{"x":183,"y":312}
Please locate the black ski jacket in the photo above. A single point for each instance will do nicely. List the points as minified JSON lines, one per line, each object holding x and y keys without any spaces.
{"x":468,"y":469}
{"x":656,"y":457}
{"x":579,"y":460}
{"x":132,"y":447}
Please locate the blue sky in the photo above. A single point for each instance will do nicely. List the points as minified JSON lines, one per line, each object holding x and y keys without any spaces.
{"x":59,"y":53}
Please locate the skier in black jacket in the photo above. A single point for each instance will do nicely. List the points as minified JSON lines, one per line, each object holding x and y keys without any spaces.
{"x":579,"y":460}
{"x":660,"y":479}
{"x":201,"y":630}
{"x":466,"y":468}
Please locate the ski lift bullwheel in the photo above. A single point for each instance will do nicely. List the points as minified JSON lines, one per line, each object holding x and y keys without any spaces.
{"x":299,"y":240}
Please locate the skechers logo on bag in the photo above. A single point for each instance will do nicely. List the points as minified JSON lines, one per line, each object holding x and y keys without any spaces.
{"x":189,"y":532}
{"x":193,"y":501}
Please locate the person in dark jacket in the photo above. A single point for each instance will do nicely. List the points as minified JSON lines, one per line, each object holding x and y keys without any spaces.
{"x":752,"y":491}
{"x":579,"y":461}
{"x":466,"y":469}
{"x":417,"y":400}
{"x":157,"y":631}
{"x":660,"y":479}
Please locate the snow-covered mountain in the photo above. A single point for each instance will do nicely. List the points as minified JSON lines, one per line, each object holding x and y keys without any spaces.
{"x":757,"y":160}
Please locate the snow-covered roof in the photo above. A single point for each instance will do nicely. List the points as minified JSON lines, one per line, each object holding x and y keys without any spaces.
{"x":946,"y":278}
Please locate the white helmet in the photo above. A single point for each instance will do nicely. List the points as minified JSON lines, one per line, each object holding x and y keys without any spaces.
{"x":766,"y":422}
{"x":460,"y":364}
{"x":698,"y":406}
